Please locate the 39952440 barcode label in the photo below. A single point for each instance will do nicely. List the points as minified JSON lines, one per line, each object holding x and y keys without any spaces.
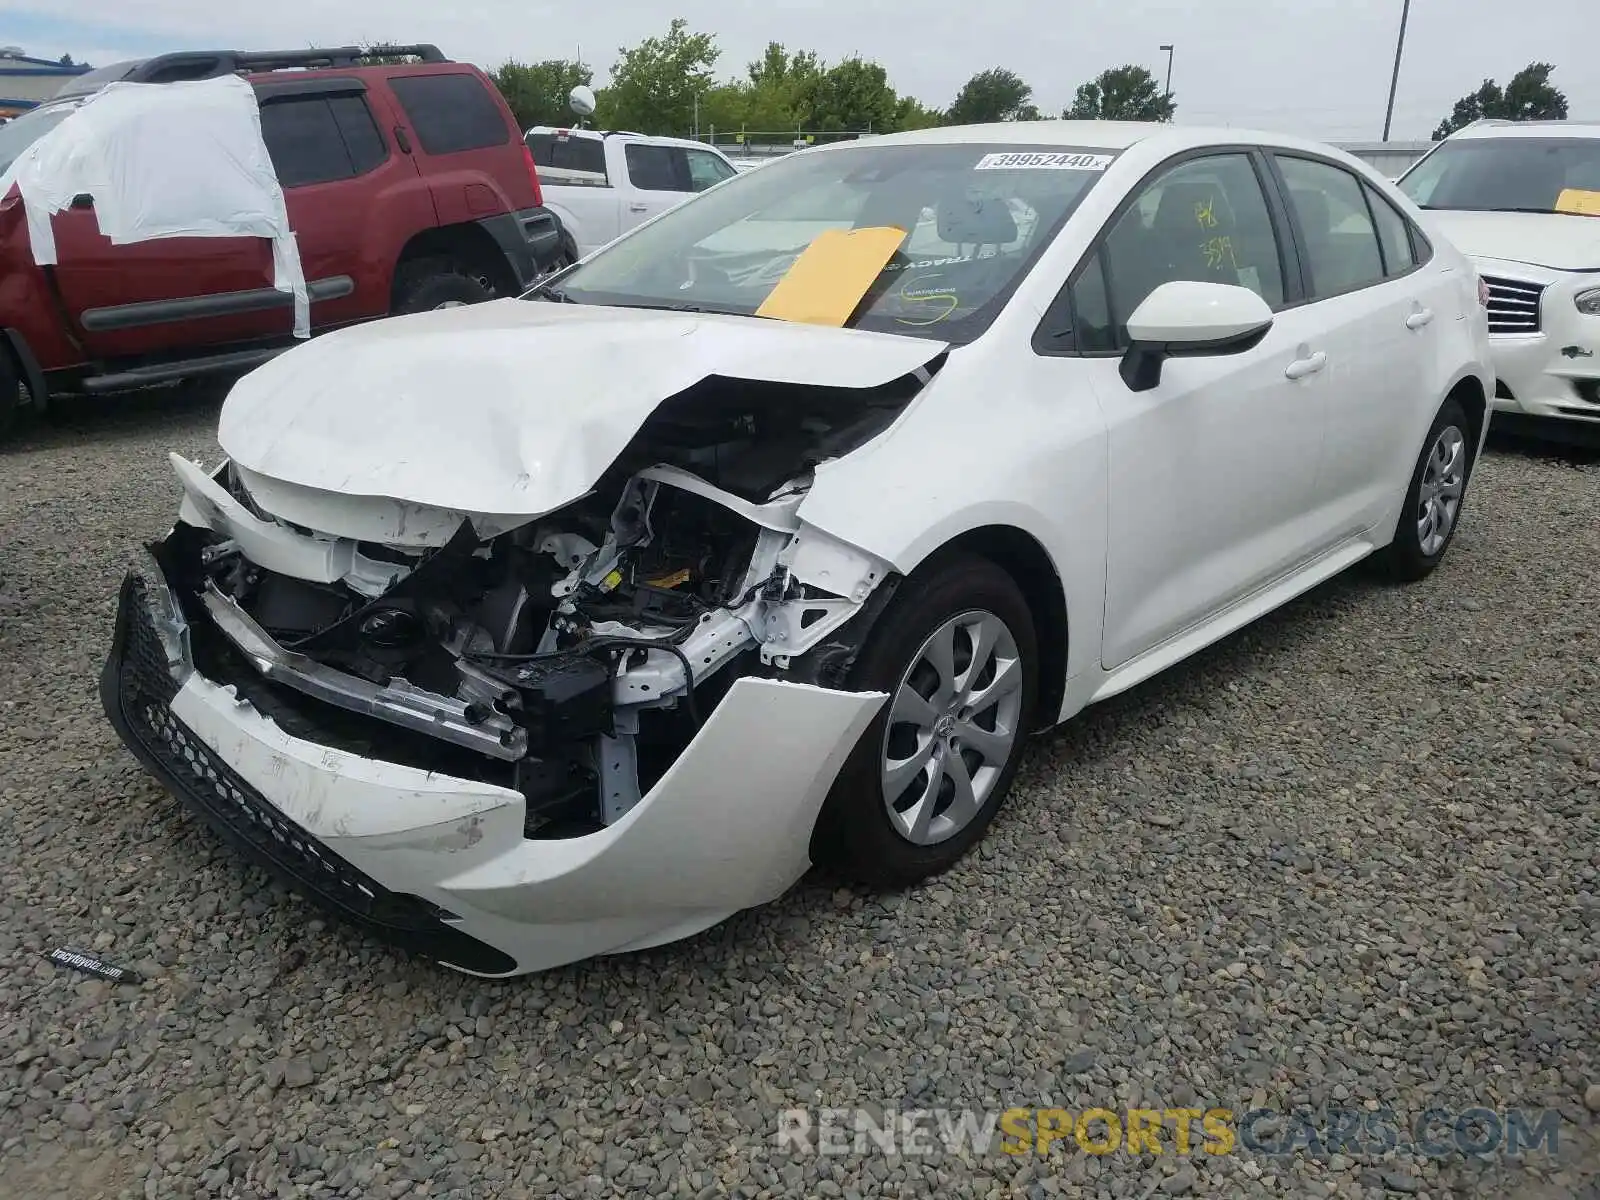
{"x":1043,"y":161}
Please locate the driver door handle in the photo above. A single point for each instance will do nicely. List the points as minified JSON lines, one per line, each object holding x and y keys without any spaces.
{"x":638,"y":207}
{"x":1419,"y":318}
{"x":1301,"y":367}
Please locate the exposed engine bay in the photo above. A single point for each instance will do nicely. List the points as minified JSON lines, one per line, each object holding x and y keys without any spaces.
{"x":574,"y":656}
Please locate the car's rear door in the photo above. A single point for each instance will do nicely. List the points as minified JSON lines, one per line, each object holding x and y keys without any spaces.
{"x":352,"y":195}
{"x":1382,"y":318}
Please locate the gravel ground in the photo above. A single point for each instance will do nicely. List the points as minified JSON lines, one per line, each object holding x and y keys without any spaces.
{"x":1351,"y":855}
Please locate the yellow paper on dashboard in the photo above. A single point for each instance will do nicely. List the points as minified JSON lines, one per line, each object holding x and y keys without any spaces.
{"x":1579,"y":202}
{"x":827,"y":281}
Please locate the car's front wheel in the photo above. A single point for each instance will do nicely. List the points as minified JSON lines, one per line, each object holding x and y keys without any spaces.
{"x":957,"y":655}
{"x":1438,"y":487}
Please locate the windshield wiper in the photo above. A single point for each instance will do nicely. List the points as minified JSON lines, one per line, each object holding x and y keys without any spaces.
{"x":1505,"y":208}
{"x":543,"y":291}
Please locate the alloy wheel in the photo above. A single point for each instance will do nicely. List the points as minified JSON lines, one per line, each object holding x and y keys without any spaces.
{"x":953,"y":725}
{"x":1444,"y":479}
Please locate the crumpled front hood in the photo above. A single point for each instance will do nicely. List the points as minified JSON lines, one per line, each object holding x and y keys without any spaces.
{"x":514,"y":406}
{"x":1555,"y":240}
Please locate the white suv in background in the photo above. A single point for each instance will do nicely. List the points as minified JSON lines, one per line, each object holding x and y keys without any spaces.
{"x":1522,"y":200}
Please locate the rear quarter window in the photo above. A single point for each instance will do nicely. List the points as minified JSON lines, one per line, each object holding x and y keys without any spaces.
{"x":451,"y":112}
{"x":569,"y":153}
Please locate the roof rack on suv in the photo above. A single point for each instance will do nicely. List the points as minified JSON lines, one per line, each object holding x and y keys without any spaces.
{"x":208,"y":64}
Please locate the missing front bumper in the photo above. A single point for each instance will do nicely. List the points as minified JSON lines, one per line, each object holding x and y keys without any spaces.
{"x":437,"y":865}
{"x":137,"y":688}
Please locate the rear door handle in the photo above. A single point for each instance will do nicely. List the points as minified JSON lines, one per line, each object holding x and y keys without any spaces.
{"x":1419,"y":318}
{"x":1301,"y":367}
{"x":638,"y":208}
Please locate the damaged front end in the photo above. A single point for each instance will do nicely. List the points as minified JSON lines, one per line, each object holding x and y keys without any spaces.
{"x":570,"y":660}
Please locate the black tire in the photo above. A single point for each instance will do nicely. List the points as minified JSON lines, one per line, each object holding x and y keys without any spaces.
{"x":1406,"y":559}
{"x":436,"y":283}
{"x":855,"y":834}
{"x":10,"y":393}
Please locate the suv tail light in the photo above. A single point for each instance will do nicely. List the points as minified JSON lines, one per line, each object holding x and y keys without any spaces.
{"x":533,"y":175}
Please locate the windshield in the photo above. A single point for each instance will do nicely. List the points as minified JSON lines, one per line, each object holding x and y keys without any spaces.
{"x":976,"y":217}
{"x":18,"y":134}
{"x":1509,"y":174}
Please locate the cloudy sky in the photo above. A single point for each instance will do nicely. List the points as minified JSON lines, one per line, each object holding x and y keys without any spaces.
{"x":1319,"y":67}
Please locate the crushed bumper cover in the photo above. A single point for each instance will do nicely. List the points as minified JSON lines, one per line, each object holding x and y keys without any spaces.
{"x":438,"y":865}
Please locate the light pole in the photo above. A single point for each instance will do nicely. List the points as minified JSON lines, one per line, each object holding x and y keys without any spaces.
{"x":1168,"y":49}
{"x":1394,"y":80}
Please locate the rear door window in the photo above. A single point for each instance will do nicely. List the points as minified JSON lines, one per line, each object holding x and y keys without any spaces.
{"x":1394,"y":234}
{"x":568,"y":153}
{"x":304,"y":141}
{"x":451,"y":112}
{"x":360,"y":132}
{"x":1341,"y":242}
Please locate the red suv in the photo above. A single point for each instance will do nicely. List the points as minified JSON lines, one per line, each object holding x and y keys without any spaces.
{"x":408,"y":187}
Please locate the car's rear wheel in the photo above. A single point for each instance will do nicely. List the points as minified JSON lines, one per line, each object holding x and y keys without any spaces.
{"x":437,"y":283}
{"x":957,"y":654}
{"x":1438,"y":487}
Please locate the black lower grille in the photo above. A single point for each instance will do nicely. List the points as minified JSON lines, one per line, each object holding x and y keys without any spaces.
{"x":137,"y":689}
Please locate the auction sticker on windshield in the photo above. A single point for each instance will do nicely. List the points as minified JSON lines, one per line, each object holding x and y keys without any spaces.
{"x":1020,"y":161}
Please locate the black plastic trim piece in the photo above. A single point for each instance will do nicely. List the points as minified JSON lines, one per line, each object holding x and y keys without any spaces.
{"x":184,"y":368}
{"x":222,"y":304}
{"x":28,"y":367}
{"x":530,"y":240}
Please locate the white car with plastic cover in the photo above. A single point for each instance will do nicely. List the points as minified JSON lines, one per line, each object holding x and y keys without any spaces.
{"x":575,"y":623}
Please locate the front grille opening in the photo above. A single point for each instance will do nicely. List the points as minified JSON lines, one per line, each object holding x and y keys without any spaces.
{"x":1513,"y":305}
{"x":1501,"y":391}
{"x":1588,"y":390}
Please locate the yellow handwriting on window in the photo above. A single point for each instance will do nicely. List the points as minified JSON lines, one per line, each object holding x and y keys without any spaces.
{"x":1205,"y":213}
{"x":1219,"y":252}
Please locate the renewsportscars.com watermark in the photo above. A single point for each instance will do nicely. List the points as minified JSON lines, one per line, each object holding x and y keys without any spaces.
{"x":1261,"y":1132}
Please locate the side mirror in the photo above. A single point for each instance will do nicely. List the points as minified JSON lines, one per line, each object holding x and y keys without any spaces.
{"x":1185,"y":319}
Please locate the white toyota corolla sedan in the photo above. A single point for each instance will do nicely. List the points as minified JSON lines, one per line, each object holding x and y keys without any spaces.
{"x":574,"y":623}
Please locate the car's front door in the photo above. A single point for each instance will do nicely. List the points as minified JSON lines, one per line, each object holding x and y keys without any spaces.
{"x":1211,"y":474}
{"x":660,"y":177}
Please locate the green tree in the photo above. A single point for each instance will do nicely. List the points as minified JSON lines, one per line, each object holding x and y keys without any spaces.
{"x":655,"y":84}
{"x":850,"y":95}
{"x":1530,"y":96}
{"x":912,"y":113}
{"x":1126,"y":93}
{"x":538,"y":92}
{"x":778,"y":67}
{"x":993,"y":95}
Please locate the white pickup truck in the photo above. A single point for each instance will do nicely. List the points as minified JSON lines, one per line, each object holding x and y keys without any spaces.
{"x":603,"y":184}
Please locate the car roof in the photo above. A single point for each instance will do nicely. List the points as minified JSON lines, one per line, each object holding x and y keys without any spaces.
{"x":1528,"y":129}
{"x":620,"y":134}
{"x":1092,"y":135}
